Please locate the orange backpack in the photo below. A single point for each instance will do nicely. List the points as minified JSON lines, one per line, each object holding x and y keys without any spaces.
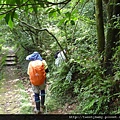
{"x":36,"y":71}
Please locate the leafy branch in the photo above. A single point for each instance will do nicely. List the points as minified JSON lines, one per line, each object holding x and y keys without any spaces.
{"x":44,"y":29}
{"x":47,"y":3}
{"x":13,"y":9}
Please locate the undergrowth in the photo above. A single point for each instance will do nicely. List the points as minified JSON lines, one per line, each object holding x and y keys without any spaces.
{"x":25,"y":105}
{"x":95,"y":92}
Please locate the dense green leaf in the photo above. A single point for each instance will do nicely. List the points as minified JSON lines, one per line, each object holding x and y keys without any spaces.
{"x":61,"y":22}
{"x":52,"y":13}
{"x":89,"y":105}
{"x":68,"y":15}
{"x":10,"y":1}
{"x":2,"y":16}
{"x":99,"y":103}
{"x":58,"y":10}
{"x":82,"y":1}
{"x":49,"y":9}
{"x":7,"y":17}
{"x":15,"y":15}
{"x":35,"y":9}
{"x":10,"y":23}
{"x":72,"y":22}
{"x":42,"y":4}
{"x":65,"y":22}
{"x":12,"y":15}
{"x":18,"y":2}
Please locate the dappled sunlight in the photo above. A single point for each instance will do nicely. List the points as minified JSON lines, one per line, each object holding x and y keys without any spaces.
{"x":22,"y":90}
{"x":13,"y":81}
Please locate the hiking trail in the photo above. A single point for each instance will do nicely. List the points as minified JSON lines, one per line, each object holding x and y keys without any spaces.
{"x":10,"y":92}
{"x":11,"y":97}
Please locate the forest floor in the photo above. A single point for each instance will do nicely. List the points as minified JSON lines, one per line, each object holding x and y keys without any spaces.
{"x":9,"y":93}
{"x":16,"y":95}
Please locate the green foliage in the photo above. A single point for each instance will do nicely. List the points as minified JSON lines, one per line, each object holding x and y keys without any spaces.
{"x":8,"y":19}
{"x":73,"y":25}
{"x":57,"y":86}
{"x":82,"y":76}
{"x":0,"y":47}
{"x":97,"y":93}
{"x":3,"y":53}
{"x":116,"y":58}
{"x":67,"y":80}
{"x":24,"y":99}
{"x":2,"y":61}
{"x":63,"y":80}
{"x":2,"y":16}
{"x":52,"y":104}
{"x":22,"y":63}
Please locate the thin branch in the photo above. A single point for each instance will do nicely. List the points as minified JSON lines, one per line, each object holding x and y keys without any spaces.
{"x":71,"y":12}
{"x":81,"y":13}
{"x":28,"y":28}
{"x":63,"y":2}
{"x":84,"y":5}
{"x":46,"y":2}
{"x":75,"y":5}
{"x":13,"y":9}
{"x":28,"y":31}
{"x":63,"y":6}
{"x":25,"y":4}
{"x":39,"y":30}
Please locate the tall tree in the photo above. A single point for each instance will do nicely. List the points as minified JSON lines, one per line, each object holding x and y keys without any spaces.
{"x":109,"y":43}
{"x":100,"y":26}
{"x":112,"y":37}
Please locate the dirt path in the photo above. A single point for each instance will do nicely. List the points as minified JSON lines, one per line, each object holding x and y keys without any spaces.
{"x":9,"y":92}
{"x":12,"y":98}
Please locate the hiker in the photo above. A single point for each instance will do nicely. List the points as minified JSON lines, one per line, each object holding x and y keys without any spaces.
{"x":38,"y":87}
{"x":59,"y":58}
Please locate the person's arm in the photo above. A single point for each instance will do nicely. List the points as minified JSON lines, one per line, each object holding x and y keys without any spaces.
{"x":28,"y":74}
{"x":28,"y":68}
{"x":46,"y":66}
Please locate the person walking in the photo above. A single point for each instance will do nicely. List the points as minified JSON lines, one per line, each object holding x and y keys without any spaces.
{"x":59,"y":58}
{"x":37,"y":69}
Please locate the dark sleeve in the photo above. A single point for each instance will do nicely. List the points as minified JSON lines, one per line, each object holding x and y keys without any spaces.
{"x":56,"y":54}
{"x":47,"y":70}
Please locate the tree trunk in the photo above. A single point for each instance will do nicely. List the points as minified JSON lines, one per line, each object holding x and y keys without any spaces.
{"x":100,"y":29}
{"x":112,"y":36}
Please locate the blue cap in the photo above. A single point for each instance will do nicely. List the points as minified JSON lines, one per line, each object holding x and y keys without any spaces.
{"x":34,"y":56}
